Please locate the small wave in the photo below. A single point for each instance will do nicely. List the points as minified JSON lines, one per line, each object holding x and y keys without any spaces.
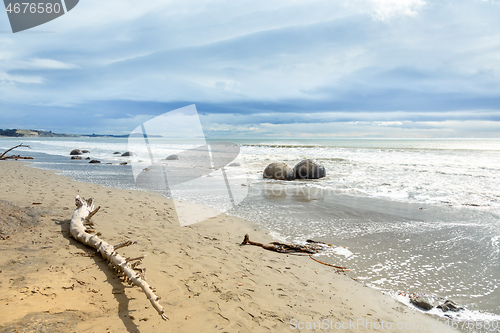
{"x":495,"y":242}
{"x":267,"y":145}
{"x":465,"y":315}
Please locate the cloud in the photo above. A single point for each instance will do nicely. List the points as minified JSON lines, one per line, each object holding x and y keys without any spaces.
{"x":387,"y":9}
{"x":249,"y":63}
{"x":359,"y":129}
{"x":390,"y":123}
{"x":23,"y":79}
{"x":39,"y":63}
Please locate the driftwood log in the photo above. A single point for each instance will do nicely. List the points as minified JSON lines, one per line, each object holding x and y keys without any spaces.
{"x":284,"y":248}
{"x":3,"y":157}
{"x":312,"y":247}
{"x":125,"y":267}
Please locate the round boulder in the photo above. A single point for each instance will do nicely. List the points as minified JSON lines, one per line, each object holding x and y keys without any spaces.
{"x":76,"y":152}
{"x":95,"y":161}
{"x":129,"y":153}
{"x":173,"y":158}
{"x":308,"y":169}
{"x":85,"y":151}
{"x":278,"y":171}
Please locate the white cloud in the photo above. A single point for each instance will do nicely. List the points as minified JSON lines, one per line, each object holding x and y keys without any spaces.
{"x":387,"y":9}
{"x":390,"y":123}
{"x":122,"y":125}
{"x":338,"y":124}
{"x":41,"y":63}
{"x":361,"y":129}
{"x":7,"y":78}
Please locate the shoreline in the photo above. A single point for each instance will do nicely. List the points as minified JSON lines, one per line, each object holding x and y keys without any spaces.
{"x":207,"y":281}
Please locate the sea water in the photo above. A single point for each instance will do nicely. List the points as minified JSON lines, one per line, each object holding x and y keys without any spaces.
{"x":417,"y":215}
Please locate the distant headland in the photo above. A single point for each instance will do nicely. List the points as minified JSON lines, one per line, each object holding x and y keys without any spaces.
{"x":30,"y":133}
{"x":23,"y":133}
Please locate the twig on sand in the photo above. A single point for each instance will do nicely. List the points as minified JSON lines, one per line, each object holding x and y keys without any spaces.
{"x":337,"y":267}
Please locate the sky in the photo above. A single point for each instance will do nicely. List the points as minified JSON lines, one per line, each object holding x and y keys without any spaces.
{"x":266,"y":68}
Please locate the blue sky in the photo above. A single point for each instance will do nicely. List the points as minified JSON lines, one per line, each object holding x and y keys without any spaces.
{"x":345,"y":68}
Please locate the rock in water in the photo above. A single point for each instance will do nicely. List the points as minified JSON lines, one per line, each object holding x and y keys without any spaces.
{"x":172,"y":157}
{"x":76,"y":157}
{"x":129,"y":153}
{"x":85,"y":151}
{"x":308,"y":169}
{"x":95,"y":161}
{"x":76,"y":152}
{"x":450,"y":306}
{"x":422,"y":302}
{"x":279,"y":171}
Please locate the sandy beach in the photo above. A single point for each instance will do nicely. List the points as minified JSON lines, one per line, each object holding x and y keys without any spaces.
{"x":206,"y":280}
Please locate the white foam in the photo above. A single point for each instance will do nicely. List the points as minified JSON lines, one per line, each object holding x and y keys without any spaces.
{"x":342,"y":251}
{"x":437,"y":176}
{"x":460,"y":316}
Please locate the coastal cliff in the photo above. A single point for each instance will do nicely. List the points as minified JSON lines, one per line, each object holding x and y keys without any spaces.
{"x":24,"y":133}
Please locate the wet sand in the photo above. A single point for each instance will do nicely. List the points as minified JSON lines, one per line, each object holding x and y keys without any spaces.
{"x":206,"y":280}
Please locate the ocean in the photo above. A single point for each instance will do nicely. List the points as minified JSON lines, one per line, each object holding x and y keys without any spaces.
{"x":408,"y":215}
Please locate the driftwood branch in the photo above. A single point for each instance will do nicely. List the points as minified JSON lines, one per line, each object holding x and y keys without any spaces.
{"x":3,"y":157}
{"x":81,"y":216}
{"x":312,"y":247}
{"x":92,"y":213}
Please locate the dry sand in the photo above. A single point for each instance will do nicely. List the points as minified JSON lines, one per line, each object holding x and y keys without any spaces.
{"x":207,"y":281}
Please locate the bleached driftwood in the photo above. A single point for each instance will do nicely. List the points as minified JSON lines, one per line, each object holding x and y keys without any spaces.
{"x":125,"y":267}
